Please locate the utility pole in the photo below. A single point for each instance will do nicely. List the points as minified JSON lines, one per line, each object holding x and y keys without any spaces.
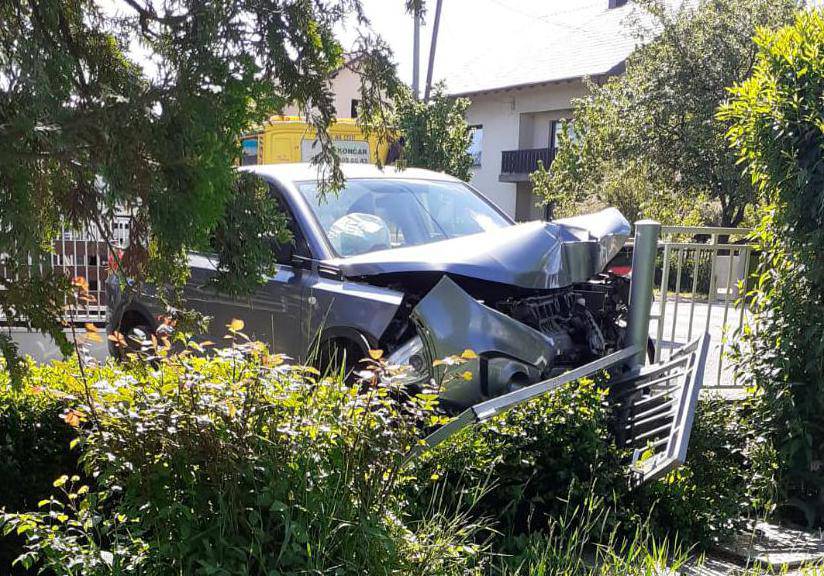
{"x":416,"y":50}
{"x":433,"y":45}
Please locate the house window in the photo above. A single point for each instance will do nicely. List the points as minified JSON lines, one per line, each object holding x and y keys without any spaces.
{"x":353,"y":108}
{"x":476,"y":145}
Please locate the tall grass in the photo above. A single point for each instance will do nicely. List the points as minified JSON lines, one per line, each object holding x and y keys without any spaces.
{"x":586,"y":540}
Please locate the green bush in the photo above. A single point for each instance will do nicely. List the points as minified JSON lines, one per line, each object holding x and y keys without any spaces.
{"x":777,"y":131}
{"x":241,"y":465}
{"x":34,"y":451}
{"x":557,"y":453}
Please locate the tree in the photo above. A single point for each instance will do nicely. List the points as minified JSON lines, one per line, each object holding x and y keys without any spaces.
{"x":651,"y":133}
{"x":778,"y":134}
{"x":435,"y":133}
{"x":138,"y":107}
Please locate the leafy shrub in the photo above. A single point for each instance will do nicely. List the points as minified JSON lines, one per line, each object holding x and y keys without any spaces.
{"x":533,"y":458}
{"x":34,"y":451}
{"x":776,"y":129}
{"x":242,"y":465}
{"x":557,"y":453}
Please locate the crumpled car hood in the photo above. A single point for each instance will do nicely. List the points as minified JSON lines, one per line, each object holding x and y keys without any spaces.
{"x":534,"y":255}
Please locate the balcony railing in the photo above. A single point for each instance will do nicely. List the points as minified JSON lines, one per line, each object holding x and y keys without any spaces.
{"x":523,"y":162}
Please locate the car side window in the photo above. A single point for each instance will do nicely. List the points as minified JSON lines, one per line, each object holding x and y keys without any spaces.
{"x":301,"y":247}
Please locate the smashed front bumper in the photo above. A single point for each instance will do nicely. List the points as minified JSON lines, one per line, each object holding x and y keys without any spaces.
{"x":507,"y":353}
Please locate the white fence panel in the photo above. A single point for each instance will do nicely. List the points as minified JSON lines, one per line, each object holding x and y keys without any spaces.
{"x":83,"y":254}
{"x":698,"y":290}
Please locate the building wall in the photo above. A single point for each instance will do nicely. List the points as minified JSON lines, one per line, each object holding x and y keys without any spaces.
{"x":516,"y":119}
{"x":345,"y":87}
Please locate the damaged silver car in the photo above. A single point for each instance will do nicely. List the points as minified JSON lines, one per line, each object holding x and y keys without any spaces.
{"x":422,"y":266}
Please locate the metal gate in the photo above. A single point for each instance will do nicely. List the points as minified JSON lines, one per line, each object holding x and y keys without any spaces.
{"x":702,"y":274}
{"x":82,"y":254}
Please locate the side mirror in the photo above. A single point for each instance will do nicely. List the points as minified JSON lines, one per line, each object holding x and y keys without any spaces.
{"x":283,"y":252}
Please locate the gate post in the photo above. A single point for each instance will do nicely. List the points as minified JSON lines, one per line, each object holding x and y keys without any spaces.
{"x":644,"y":251}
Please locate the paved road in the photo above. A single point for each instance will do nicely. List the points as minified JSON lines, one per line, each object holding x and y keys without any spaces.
{"x":43,"y":349}
{"x":722,"y":334}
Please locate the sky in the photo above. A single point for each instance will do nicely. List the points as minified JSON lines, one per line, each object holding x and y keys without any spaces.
{"x":466,"y":26}
{"x":480,"y":30}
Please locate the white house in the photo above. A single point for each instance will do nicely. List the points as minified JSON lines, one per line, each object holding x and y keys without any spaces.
{"x":345,"y":84}
{"x":521,"y":85}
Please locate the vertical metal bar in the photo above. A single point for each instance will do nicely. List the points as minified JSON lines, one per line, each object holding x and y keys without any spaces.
{"x":677,"y":296}
{"x":712,"y":294}
{"x":726,"y":312}
{"x":63,"y":261}
{"x":98,"y":299}
{"x":713,"y":252}
{"x":742,"y":294}
{"x":742,"y":300}
{"x":662,"y":308}
{"x":695,"y":267}
{"x":643,"y":275}
{"x":85,"y":236}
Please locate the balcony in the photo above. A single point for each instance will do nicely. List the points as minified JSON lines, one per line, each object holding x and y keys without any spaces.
{"x":517,"y":165}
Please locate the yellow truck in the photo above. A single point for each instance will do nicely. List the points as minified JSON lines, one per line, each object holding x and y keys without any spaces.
{"x":285,"y":139}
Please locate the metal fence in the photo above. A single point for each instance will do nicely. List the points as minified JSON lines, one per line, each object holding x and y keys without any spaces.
{"x":81,"y":254}
{"x":700,"y":274}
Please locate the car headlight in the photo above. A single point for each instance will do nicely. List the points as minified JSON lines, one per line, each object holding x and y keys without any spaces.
{"x":411,"y":354}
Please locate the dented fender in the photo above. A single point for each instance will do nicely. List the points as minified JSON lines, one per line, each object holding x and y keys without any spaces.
{"x":509,"y":353}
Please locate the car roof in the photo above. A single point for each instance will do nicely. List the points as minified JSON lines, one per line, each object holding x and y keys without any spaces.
{"x":303,"y":171}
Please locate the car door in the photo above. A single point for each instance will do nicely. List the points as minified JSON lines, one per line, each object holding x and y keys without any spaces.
{"x":274,"y":313}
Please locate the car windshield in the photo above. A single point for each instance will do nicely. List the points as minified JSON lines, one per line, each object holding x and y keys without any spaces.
{"x":382,"y":213}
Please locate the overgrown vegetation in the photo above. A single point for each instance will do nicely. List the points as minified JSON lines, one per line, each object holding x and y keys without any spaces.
{"x":436,"y":134}
{"x":244,"y":464}
{"x":238,"y":465}
{"x":648,"y":141}
{"x":34,"y":442}
{"x":778,"y":133}
{"x":558,"y":453}
{"x":137,"y":107}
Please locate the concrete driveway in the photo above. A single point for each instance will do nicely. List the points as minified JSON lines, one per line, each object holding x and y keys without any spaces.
{"x":704,"y":317}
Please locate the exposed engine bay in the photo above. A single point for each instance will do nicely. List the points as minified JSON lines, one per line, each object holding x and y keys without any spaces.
{"x":586,"y":320}
{"x":518,"y":336}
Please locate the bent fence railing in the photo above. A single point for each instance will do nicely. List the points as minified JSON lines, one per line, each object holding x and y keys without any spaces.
{"x":701,"y":274}
{"x":81,"y":254}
